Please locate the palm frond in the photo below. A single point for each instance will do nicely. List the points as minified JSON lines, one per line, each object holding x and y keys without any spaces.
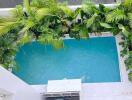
{"x":77,"y":12}
{"x":17,"y":12}
{"x":105,"y":25}
{"x":7,"y":26}
{"x":115,"y":16}
{"x":27,"y":6}
{"x":84,"y":32}
{"x":57,"y":43}
{"x":11,"y":22}
{"x":42,"y":12}
{"x":127,"y":3}
{"x":48,"y":39}
{"x":88,"y":7}
{"x":25,"y":38}
{"x":45,"y":39}
{"x":27,"y":25}
{"x":125,"y":32}
{"x":67,"y":11}
{"x":91,"y":20}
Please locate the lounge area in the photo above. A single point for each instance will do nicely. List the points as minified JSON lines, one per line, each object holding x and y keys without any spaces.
{"x":67,"y":89}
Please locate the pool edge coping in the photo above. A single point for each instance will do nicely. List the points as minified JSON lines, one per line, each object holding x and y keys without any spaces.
{"x":122,"y":67}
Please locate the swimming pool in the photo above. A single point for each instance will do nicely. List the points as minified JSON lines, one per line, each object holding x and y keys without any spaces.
{"x":93,"y":60}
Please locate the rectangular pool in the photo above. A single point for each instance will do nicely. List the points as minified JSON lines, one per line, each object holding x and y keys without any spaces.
{"x":93,"y":60}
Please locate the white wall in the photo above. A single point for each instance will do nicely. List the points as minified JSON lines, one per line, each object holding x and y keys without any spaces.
{"x":6,"y":11}
{"x":19,"y":89}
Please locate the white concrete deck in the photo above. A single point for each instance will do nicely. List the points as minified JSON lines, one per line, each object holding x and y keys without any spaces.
{"x":105,"y":91}
{"x":101,"y":91}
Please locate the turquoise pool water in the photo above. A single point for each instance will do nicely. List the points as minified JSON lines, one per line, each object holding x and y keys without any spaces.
{"x":92,"y":60}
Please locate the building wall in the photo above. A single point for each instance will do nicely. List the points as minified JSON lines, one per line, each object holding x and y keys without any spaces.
{"x":78,"y":2}
{"x":18,"y":88}
{"x":9,"y":3}
{"x":13,"y":3}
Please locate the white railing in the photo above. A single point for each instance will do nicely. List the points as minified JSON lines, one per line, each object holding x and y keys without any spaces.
{"x":79,"y":6}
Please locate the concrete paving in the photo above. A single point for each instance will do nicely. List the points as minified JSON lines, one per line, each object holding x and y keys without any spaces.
{"x":100,"y":91}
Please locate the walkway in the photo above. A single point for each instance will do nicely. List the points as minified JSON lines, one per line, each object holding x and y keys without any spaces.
{"x":100,"y":91}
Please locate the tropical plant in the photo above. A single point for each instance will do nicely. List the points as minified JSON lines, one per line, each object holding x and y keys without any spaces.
{"x":45,"y":21}
{"x":130,"y":76}
{"x":8,"y":48}
{"x":128,"y":61}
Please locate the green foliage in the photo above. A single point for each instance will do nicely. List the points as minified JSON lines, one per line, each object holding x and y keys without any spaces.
{"x":43,"y":3}
{"x":115,"y":16}
{"x":57,"y":43}
{"x":27,"y":6}
{"x":91,"y":20}
{"x":83,"y":32}
{"x":127,"y":4}
{"x":67,"y":11}
{"x":8,"y":48}
{"x":130,"y":19}
{"x":17,"y":12}
{"x":128,"y":61}
{"x":88,"y":7}
{"x":41,"y":13}
{"x":25,"y":39}
{"x":125,"y":32}
{"x":106,"y":25}
{"x":7,"y":26}
{"x":130,"y":76}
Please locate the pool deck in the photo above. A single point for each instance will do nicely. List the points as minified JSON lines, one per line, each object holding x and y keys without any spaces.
{"x":100,"y":91}
{"x":104,"y":91}
{"x":107,"y":91}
